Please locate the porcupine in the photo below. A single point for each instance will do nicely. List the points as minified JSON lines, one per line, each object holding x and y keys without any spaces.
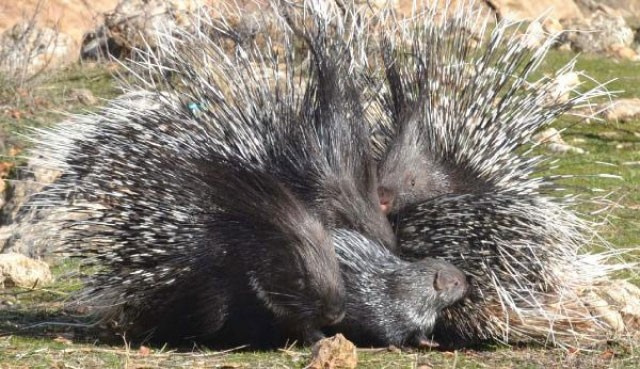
{"x":456,"y":184}
{"x":182,"y":239}
{"x":175,"y":254}
{"x":338,"y":175}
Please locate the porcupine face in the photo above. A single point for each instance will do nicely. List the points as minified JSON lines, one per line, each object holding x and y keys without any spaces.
{"x":426,"y":287}
{"x":408,"y":173}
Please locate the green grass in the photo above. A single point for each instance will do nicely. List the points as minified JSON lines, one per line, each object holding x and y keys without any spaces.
{"x":23,"y":345}
{"x":612,"y":148}
{"x":45,"y":103}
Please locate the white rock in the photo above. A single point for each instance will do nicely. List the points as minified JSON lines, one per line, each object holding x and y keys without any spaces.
{"x":19,"y":270}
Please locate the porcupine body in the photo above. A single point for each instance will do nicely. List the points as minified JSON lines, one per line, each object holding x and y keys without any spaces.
{"x":458,"y":184}
{"x":189,"y":241}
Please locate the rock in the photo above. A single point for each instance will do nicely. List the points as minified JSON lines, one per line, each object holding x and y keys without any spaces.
{"x":83,"y":96}
{"x":27,"y":49}
{"x":601,"y":309}
{"x":552,"y":25}
{"x":610,"y":135}
{"x":622,"y":298}
{"x":378,"y":4}
{"x":530,"y":10}
{"x":2,"y":196}
{"x":406,"y":8}
{"x":599,"y":33}
{"x":622,"y":110}
{"x":19,"y":270}
{"x":565,"y":46}
{"x":71,"y":17}
{"x":628,"y":9}
{"x":333,"y":353}
{"x":534,"y":36}
{"x":134,"y":24}
{"x":549,"y":135}
{"x":562,"y":86}
{"x":5,"y":167}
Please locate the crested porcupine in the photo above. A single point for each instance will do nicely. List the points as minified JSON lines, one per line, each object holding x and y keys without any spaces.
{"x":459,"y":183}
{"x":207,"y":85}
{"x":191,"y":235}
{"x":183,"y":240}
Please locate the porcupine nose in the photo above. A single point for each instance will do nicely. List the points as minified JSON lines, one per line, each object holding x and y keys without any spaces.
{"x":333,"y":314}
{"x":451,"y":279}
{"x":386,"y":199}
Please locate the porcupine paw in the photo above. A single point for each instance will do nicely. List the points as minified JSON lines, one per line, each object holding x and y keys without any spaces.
{"x":311,"y":335}
{"x":421,"y":341}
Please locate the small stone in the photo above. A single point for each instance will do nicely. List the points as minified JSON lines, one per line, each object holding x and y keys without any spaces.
{"x":623,"y":298}
{"x":600,"y":308}
{"x":566,"y":47}
{"x":552,"y":25}
{"x":623,"y":52}
{"x":534,"y":36}
{"x":632,"y":163}
{"x":334,"y":353}
{"x":623,"y":110}
{"x":19,"y":270}
{"x":562,"y":87}
{"x":624,"y":145}
{"x":612,"y":135}
{"x":83,"y":96}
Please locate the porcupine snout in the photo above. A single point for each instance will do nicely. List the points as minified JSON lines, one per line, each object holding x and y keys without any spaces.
{"x":451,"y":281}
{"x":333,"y":314}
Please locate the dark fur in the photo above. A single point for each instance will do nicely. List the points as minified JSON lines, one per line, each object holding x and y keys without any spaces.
{"x":241,"y":229}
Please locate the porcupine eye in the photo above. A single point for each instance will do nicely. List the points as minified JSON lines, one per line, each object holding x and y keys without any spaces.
{"x":300,"y":284}
{"x":410,"y":179}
